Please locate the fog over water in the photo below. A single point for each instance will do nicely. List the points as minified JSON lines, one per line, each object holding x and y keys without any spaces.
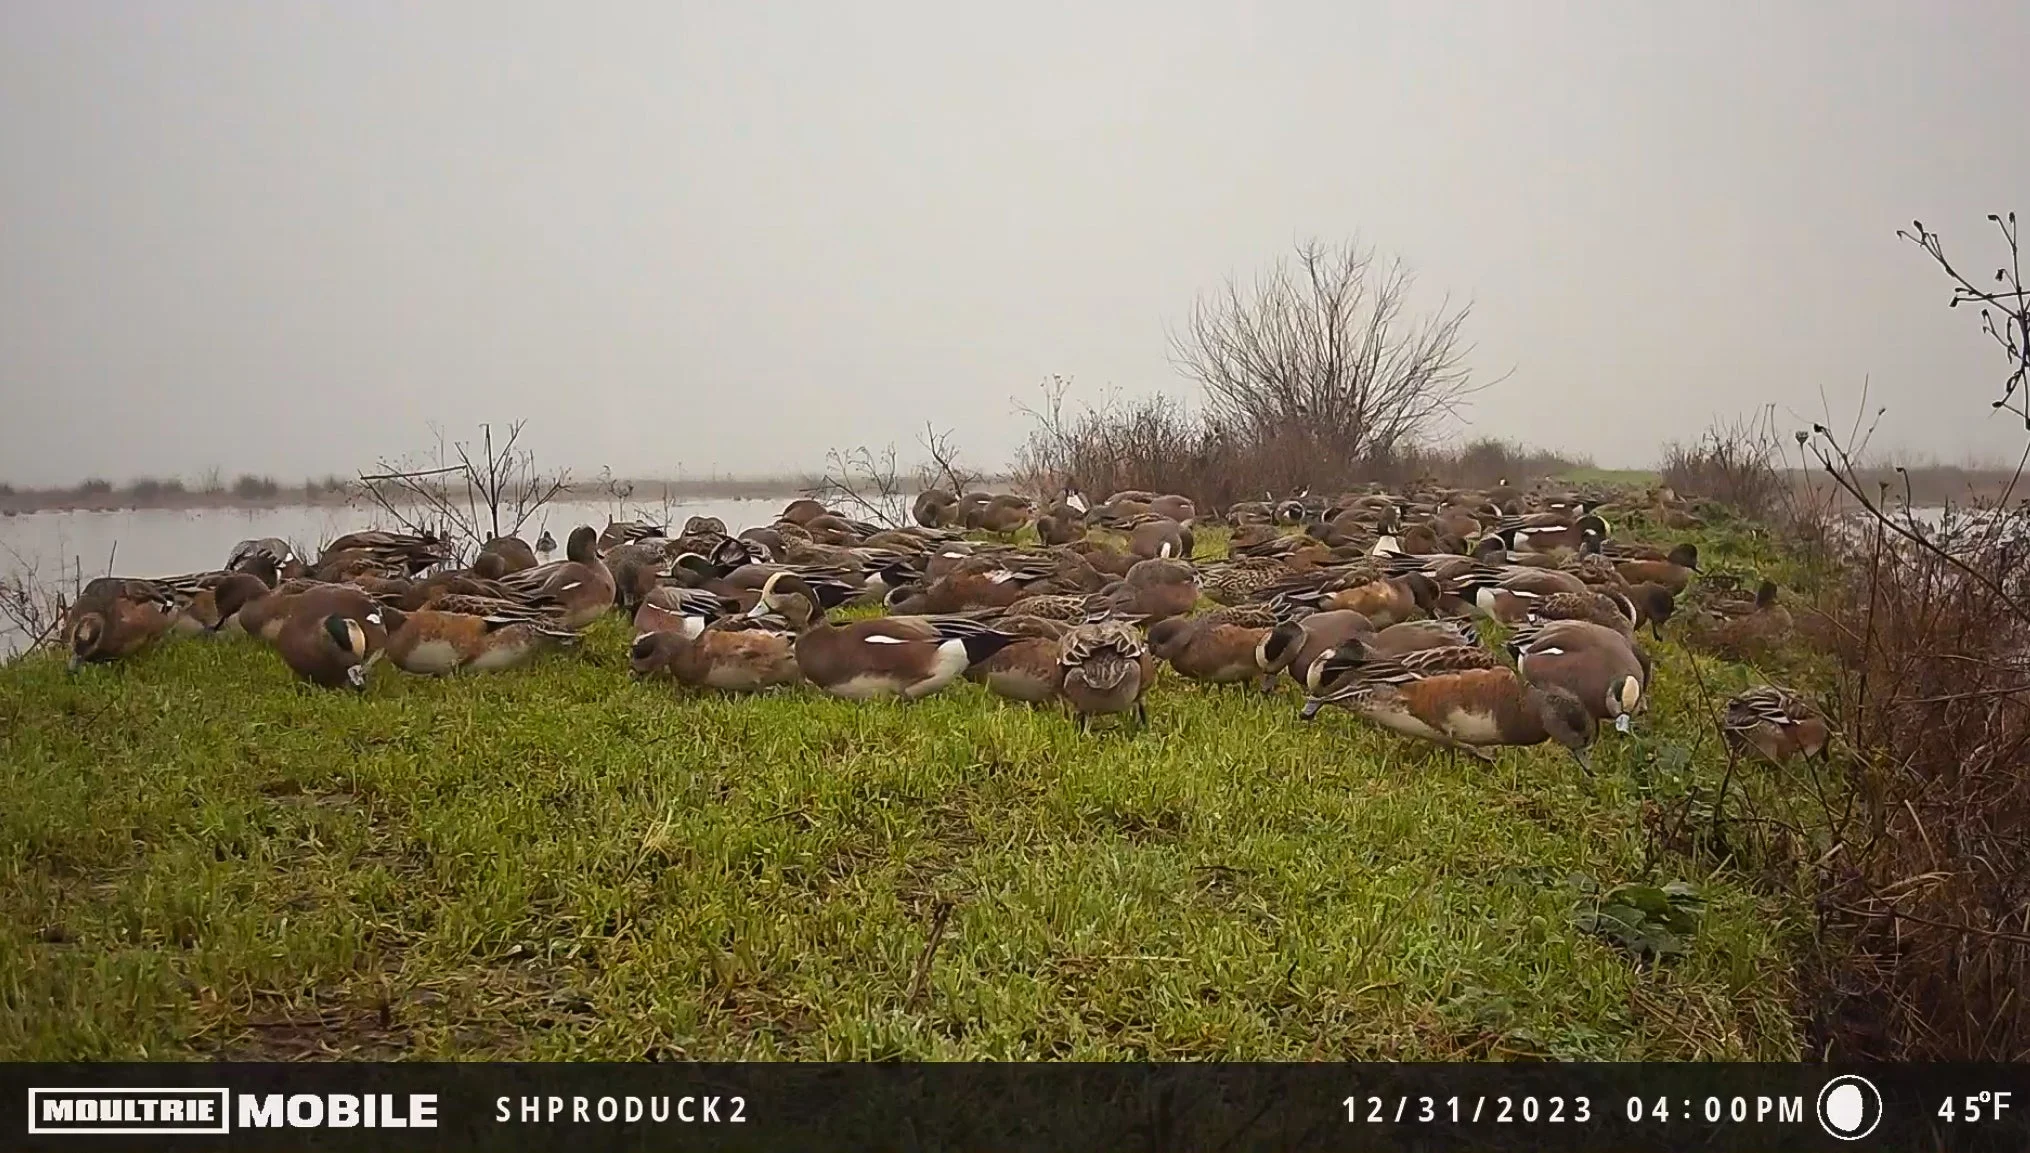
{"x":282,"y":238}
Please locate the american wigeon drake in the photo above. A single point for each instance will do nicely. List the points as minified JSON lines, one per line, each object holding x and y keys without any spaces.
{"x":1471,"y":710}
{"x":935,"y":508}
{"x":435,"y":642}
{"x":1406,"y":641}
{"x":1152,"y":591}
{"x":221,"y":603}
{"x":910,"y":657}
{"x":1027,"y":669}
{"x":1107,"y":670}
{"x":116,"y":617}
{"x":1777,"y":722}
{"x":581,"y":586}
{"x":669,"y":608}
{"x":271,"y":556}
{"x":266,"y":617}
{"x":1367,"y":587}
{"x":966,"y":589}
{"x":331,"y":650}
{"x":1208,"y":649}
{"x":514,"y":553}
{"x":1159,"y":536}
{"x":1551,"y":532}
{"x":1060,"y":524}
{"x":1177,"y":507}
{"x":1506,"y":595}
{"x":1244,"y":513}
{"x":1295,"y":645}
{"x":1674,"y":570}
{"x":732,"y":655}
{"x":1594,"y":663}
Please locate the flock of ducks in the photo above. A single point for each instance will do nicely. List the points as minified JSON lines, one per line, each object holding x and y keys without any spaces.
{"x":1372,"y":602}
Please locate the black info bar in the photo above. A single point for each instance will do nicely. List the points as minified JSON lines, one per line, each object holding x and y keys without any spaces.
{"x":984,"y":1107}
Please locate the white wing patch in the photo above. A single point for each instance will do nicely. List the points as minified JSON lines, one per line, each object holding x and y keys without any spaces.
{"x":1552,"y":651}
{"x":572,"y":585}
{"x":884,"y":639}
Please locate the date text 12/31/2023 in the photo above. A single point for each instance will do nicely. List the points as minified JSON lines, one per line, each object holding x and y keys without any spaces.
{"x":1500,"y":1110}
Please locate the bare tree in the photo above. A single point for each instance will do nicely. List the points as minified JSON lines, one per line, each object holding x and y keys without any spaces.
{"x":487,"y":493}
{"x":1322,"y":347}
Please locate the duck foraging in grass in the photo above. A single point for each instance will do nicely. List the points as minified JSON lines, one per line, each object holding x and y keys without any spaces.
{"x":908,"y":656}
{"x":1107,"y":669}
{"x":1468,"y":709}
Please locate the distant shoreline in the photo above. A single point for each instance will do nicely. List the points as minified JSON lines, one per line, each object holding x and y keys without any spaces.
{"x":18,"y":502}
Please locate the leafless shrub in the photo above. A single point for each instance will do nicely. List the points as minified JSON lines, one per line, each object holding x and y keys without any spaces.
{"x":942,"y":468}
{"x":1924,"y":901}
{"x":31,"y":607}
{"x":1320,"y":349}
{"x":2005,"y":311}
{"x":492,"y":490}
{"x":864,"y":482}
{"x":94,"y":486}
{"x":1737,"y":462}
{"x":250,"y":487}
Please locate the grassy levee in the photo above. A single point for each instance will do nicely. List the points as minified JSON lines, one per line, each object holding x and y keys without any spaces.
{"x":203,"y":858}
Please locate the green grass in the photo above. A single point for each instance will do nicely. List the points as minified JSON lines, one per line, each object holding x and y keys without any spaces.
{"x":204,"y":858}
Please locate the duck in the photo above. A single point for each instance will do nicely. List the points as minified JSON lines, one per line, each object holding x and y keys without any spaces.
{"x":966,"y":589}
{"x":1776,"y":722}
{"x":116,"y":617}
{"x":1367,"y":587}
{"x":407,"y":553}
{"x":1402,"y":641}
{"x":1027,"y":669}
{"x":1234,"y":581}
{"x":437,"y":641}
{"x":1152,"y":590}
{"x":734,"y":654}
{"x":906,"y":656}
{"x":1674,"y":570}
{"x":1159,"y":536}
{"x":267,"y":616}
{"x":1744,"y":629}
{"x":620,"y":532}
{"x":1294,"y":645}
{"x":513,"y":553}
{"x":1208,"y":649}
{"x":1596,"y":664}
{"x":330,"y":650}
{"x":1005,"y":514}
{"x":1468,"y":709}
{"x":1107,"y":670}
{"x":546,"y":546}
{"x":1549,"y":532}
{"x":581,"y":586}
{"x":671,"y":608}
{"x":936,"y":508}
{"x":271,"y":556}
{"x":1506,"y":595}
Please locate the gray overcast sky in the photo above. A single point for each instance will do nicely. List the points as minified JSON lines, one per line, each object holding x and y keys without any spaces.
{"x":282,"y":236}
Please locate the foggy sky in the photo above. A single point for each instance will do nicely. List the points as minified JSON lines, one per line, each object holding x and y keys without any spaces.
{"x":280,"y":237}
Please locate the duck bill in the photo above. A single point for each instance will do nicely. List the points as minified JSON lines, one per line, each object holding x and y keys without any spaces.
{"x":75,"y":663}
{"x":1585,"y":760}
{"x":1268,"y":682}
{"x":1624,"y":724}
{"x":1310,"y":710}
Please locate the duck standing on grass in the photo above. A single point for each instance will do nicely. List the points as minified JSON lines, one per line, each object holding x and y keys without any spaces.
{"x":1777,"y":722}
{"x":1107,"y":669}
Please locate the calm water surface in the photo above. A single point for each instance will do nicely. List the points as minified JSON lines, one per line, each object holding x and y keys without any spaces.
{"x":165,"y":542}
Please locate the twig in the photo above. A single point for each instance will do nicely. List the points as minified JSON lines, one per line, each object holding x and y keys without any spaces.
{"x":937,"y":932}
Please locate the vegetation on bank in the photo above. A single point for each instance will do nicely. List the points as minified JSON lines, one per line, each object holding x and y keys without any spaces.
{"x":204,"y":857}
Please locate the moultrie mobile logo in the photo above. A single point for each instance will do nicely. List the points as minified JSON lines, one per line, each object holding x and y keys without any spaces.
{"x":154,"y":1111}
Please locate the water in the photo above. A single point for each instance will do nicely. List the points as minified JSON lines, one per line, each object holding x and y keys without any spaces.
{"x":49,"y":547}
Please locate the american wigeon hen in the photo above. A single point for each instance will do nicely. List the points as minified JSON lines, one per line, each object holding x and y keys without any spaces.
{"x":436,"y":641}
{"x":1107,"y":669}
